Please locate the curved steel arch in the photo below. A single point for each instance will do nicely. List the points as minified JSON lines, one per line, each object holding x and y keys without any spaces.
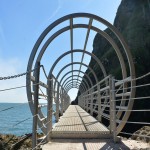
{"x":68,"y":52}
{"x":76,"y":76}
{"x":75,"y":15}
{"x":77,"y":71}
{"x":70,"y":81}
{"x":73,"y":80}
{"x":111,"y":27}
{"x":104,"y":34}
{"x":78,"y":50}
{"x":78,"y":85}
{"x":76,"y":82}
{"x":95,"y":77}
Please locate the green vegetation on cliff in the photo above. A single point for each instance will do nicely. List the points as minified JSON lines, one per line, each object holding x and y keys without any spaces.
{"x":133,"y":21}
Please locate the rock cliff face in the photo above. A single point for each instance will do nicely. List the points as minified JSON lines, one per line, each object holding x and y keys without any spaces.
{"x":133,"y":21}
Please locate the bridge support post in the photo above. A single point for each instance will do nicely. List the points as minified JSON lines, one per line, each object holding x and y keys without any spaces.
{"x":87,"y":101}
{"x":62,"y":102}
{"x":35,"y":114}
{"x":49,"y":108}
{"x":57,"y":103}
{"x":99,"y":104}
{"x":91,"y":106}
{"x":113,"y":109}
{"x":84,"y":102}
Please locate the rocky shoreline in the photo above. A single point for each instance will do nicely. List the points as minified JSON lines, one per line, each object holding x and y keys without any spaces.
{"x":12,"y":142}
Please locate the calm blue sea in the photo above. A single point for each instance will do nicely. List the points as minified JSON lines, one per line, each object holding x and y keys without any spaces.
{"x":12,"y":116}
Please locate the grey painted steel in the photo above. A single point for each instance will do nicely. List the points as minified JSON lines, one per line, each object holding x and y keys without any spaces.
{"x":111,"y":27}
{"x":91,"y":70}
{"x":113,"y":110}
{"x":75,"y":80}
{"x":95,"y":77}
{"x":78,"y":50}
{"x":82,"y":89}
{"x":72,"y":51}
{"x":35,"y":116}
{"x":86,"y":40}
{"x":77,"y":71}
{"x":49,"y":108}
{"x":75,"y":85}
{"x":62,"y":104}
{"x":57,"y":104}
{"x":84,"y":80}
{"x":71,"y":42}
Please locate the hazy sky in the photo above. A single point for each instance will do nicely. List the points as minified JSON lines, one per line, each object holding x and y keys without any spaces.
{"x":21,"y":23}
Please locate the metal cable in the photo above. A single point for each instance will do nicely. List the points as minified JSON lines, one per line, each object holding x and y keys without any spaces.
{"x":44,"y":71}
{"x":134,"y":86}
{"x":135,"y":134}
{"x":139,"y":98}
{"x":21,"y":122}
{"x":41,"y":141}
{"x":136,"y":78}
{"x":18,"y":87}
{"x":132,"y":110}
{"x":18,"y":75}
{"x":43,"y":93}
{"x":147,"y":123}
{"x":15,"y":106}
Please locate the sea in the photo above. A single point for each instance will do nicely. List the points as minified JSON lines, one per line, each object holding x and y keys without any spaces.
{"x":16,"y":118}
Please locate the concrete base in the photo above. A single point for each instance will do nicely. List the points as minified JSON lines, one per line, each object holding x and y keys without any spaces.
{"x":92,"y":144}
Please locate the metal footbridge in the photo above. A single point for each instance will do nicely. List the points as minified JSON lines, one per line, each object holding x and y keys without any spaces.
{"x":102,"y":99}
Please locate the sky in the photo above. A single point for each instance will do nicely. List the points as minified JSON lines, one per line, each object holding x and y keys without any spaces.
{"x":22,"y":22}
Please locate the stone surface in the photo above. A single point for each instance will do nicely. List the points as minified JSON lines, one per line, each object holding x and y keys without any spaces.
{"x":94,"y":144}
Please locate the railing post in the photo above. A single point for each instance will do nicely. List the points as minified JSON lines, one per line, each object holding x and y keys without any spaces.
{"x":35,"y":110}
{"x":57,"y":103}
{"x":91,"y":106}
{"x":62,"y":102}
{"x":113,"y":109}
{"x":86,"y":101}
{"x":99,"y":104}
{"x":49,"y":108}
{"x":110,"y":101}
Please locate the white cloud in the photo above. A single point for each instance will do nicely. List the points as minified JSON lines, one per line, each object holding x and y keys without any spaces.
{"x":57,"y":9}
{"x":8,"y":68}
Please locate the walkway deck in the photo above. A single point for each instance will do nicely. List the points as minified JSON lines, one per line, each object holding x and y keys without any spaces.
{"x":77,"y":123}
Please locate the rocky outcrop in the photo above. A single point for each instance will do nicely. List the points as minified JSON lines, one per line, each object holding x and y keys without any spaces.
{"x":144,"y":133}
{"x":13,"y":142}
{"x":133,"y":21}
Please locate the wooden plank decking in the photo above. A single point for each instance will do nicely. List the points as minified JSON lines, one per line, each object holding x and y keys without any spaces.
{"x":77,"y":123}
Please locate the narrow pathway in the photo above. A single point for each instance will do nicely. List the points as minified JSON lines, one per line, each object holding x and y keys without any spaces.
{"x":77,"y":123}
{"x":94,"y":144}
{"x":78,"y":130}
